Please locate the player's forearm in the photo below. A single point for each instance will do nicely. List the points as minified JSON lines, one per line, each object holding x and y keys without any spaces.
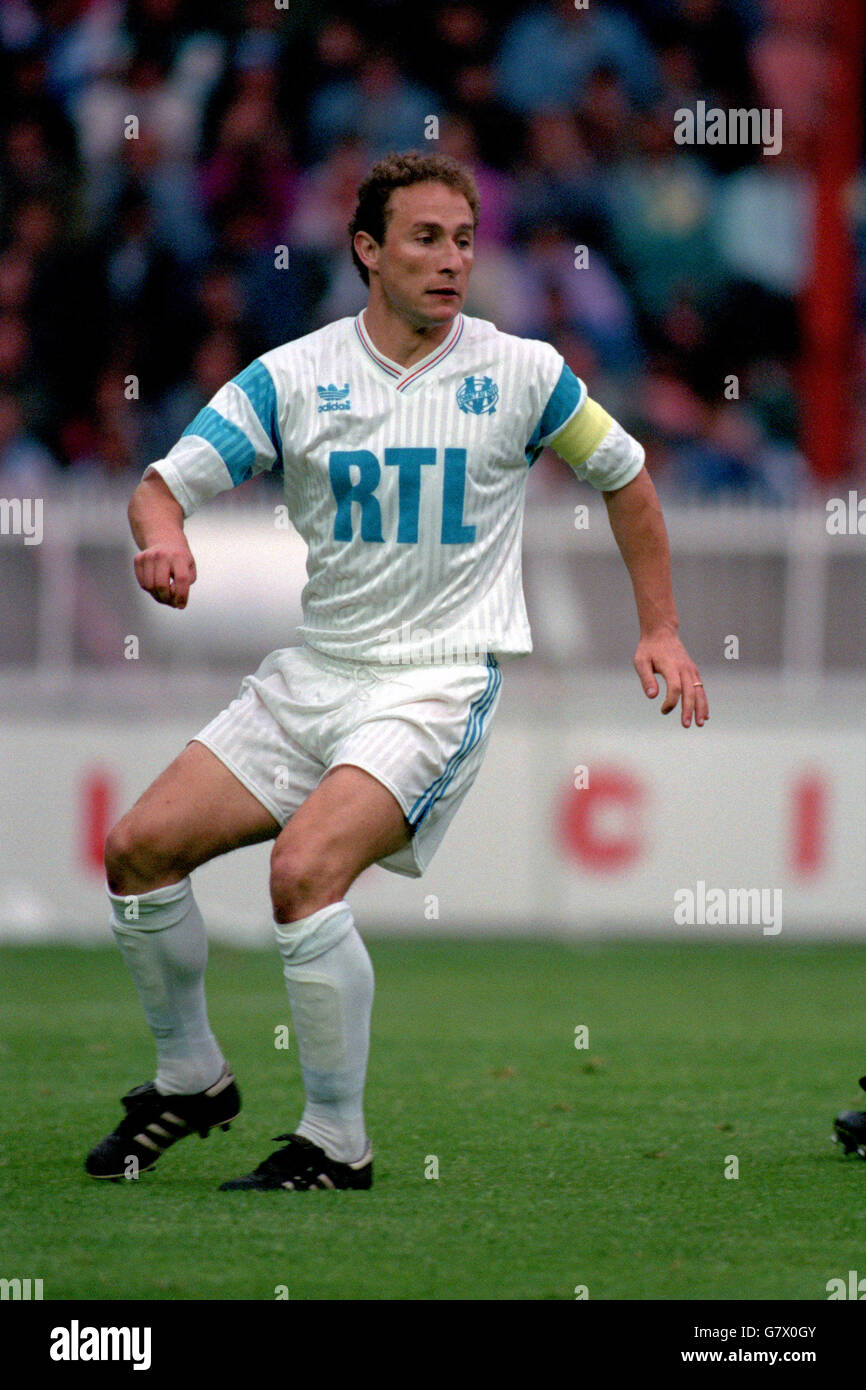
{"x":164,"y":565}
{"x":155,"y":515}
{"x":639,"y":529}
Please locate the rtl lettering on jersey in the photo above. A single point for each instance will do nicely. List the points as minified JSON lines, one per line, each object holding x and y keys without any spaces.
{"x":355,"y":475}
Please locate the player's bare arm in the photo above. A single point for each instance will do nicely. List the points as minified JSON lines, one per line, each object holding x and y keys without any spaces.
{"x":638,"y":526}
{"x":164,"y":565}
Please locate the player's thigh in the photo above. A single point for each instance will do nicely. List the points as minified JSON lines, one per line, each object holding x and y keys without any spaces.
{"x":350,"y":821}
{"x":195,"y":810}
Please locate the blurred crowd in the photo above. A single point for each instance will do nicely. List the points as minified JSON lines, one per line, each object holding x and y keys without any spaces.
{"x":156,"y":153}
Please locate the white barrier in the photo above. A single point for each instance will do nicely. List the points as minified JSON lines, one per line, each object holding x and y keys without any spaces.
{"x":589,"y":815}
{"x":785,"y":582}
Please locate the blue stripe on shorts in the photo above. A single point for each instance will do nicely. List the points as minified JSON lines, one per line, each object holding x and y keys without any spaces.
{"x":478,"y":711}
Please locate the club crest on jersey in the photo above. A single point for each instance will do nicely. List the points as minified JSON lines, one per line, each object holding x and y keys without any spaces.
{"x":478,"y":395}
{"x":334,"y":397}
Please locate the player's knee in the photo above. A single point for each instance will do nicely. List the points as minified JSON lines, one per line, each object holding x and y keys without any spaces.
{"x":301,"y":882}
{"x":119,"y":848}
{"x":133,"y":861}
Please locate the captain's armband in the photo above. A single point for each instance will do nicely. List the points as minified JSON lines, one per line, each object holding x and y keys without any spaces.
{"x":598,"y":449}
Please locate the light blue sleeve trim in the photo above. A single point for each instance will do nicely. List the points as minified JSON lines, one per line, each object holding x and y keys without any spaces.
{"x":257,"y":385}
{"x":566,"y":399}
{"x":233,"y":446}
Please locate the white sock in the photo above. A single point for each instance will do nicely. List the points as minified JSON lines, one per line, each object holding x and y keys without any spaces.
{"x":329,"y":979}
{"x":163,"y":941}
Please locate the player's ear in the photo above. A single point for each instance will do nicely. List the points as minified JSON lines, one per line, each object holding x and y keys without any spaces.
{"x":367,"y":249}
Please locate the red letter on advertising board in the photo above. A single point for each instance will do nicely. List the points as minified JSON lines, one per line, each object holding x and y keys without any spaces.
{"x":600,"y":824}
{"x":809,"y":824}
{"x":96,"y":802}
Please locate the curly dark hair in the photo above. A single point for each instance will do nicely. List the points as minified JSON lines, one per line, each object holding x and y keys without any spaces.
{"x":399,"y":171}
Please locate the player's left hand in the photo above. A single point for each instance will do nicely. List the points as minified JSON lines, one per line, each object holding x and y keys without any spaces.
{"x":662,"y":653}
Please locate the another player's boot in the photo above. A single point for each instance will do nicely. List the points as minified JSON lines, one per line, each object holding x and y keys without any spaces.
{"x":301,"y":1167}
{"x":850,"y":1128}
{"x":154,"y":1122}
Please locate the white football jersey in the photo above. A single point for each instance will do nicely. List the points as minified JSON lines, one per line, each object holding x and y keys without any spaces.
{"x":407,"y":483}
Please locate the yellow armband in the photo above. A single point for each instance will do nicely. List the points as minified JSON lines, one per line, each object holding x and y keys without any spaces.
{"x":583,"y":434}
{"x":598,"y":449}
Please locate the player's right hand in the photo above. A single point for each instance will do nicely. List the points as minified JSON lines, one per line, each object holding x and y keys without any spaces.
{"x":166,"y":571}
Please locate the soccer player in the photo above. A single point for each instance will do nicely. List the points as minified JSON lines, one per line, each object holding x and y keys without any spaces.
{"x":404,"y":437}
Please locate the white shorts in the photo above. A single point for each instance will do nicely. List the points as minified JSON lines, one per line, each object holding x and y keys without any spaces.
{"x":421,"y":731}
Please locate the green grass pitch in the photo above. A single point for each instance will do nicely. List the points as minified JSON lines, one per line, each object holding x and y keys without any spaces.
{"x":559,"y":1166}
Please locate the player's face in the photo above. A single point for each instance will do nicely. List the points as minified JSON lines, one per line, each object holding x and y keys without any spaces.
{"x":425,"y":259}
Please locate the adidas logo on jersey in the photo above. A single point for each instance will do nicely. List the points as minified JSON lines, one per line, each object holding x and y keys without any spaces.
{"x":334,"y":397}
